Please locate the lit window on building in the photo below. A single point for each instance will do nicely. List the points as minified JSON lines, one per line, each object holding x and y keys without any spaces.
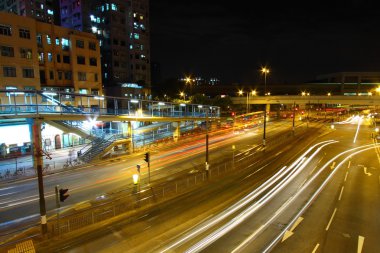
{"x":39,"y":39}
{"x":26,"y":53}
{"x":114,"y":7}
{"x":41,"y":57}
{"x":48,"y":39}
{"x":136,"y":36}
{"x":50,"y":57}
{"x":94,"y":29}
{"x":57,"y":41}
{"x":83,"y":91}
{"x":50,"y":12}
{"x":65,"y":43}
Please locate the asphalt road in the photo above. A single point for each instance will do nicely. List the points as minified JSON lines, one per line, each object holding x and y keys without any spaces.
{"x":330,"y":205}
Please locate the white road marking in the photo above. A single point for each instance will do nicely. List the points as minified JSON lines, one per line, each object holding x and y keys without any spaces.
{"x":349,"y":164}
{"x":341,"y":192}
{"x":345,"y":178}
{"x":311,"y":172}
{"x":315,"y":248}
{"x":290,"y":232}
{"x":331,"y":219}
{"x":304,"y":181}
{"x":367,"y":173}
{"x":5,"y":194}
{"x":360,"y":243}
{"x":6,"y":188}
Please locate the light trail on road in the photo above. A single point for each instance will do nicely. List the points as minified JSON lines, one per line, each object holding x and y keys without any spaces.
{"x":285,"y":172}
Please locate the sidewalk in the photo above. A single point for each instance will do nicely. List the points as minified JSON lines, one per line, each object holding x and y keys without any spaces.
{"x":15,"y":168}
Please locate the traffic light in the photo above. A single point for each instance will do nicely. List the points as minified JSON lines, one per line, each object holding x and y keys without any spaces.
{"x":63,"y":194}
{"x":147,"y":157}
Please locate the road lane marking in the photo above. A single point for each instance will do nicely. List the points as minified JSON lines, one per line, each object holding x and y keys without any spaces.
{"x":345,"y":178}
{"x":7,"y":188}
{"x":331,"y":219}
{"x":241,"y":245}
{"x":341,"y":192}
{"x":315,"y":248}
{"x":5,"y":194}
{"x":367,"y":173}
{"x":332,"y":166}
{"x":360,"y":243}
{"x":311,"y":172}
{"x":290,"y":232}
{"x":304,"y":181}
{"x":349,"y":164}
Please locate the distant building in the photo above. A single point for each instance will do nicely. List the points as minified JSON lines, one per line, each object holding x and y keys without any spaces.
{"x":40,"y":56}
{"x":350,"y":83}
{"x":41,"y":10}
{"x":122,"y":26}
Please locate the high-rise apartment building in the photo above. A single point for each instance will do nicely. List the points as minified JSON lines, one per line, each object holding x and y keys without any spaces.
{"x":40,"y":56}
{"x":41,"y":10}
{"x":122,"y":27}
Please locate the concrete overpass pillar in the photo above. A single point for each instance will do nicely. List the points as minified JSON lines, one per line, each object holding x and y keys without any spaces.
{"x":267,"y":108}
{"x":130,"y":135}
{"x":177,"y":131}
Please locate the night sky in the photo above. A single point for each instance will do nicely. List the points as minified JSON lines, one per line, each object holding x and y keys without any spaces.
{"x":233,"y":40}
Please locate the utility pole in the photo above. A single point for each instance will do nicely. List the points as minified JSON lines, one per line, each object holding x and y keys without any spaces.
{"x":37,"y":153}
{"x":206,"y":163}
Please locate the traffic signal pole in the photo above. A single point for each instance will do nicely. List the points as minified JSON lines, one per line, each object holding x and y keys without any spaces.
{"x":58,"y":206}
{"x":147,"y":159}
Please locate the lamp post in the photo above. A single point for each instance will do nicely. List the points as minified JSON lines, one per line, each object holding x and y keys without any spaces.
{"x":206,"y":163}
{"x":188,"y":81}
{"x":182,"y":94}
{"x":265,"y":71}
{"x":253,"y":93}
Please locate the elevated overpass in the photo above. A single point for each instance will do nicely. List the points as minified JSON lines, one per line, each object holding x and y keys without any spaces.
{"x":285,"y":99}
{"x":59,"y":108}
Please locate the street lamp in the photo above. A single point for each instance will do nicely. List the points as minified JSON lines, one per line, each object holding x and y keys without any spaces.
{"x":182,"y":94}
{"x":253,"y":93}
{"x":265,"y":71}
{"x":189,"y":81}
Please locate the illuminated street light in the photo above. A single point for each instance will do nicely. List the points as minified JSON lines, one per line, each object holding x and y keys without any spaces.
{"x":253,"y":93}
{"x":182,"y":94}
{"x":329,"y":94}
{"x":265,"y":71}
